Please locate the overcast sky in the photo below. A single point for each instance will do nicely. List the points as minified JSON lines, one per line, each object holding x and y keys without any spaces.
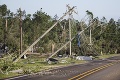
{"x":100,"y":8}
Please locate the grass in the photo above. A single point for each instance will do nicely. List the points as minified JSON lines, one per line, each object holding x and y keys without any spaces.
{"x":106,"y":56}
{"x":2,"y":76}
{"x":35,"y":64}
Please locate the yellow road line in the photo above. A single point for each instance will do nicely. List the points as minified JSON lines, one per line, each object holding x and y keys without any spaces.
{"x":91,"y":71}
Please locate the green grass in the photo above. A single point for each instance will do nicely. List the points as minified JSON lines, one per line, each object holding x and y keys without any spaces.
{"x":2,"y":76}
{"x":107,"y":56}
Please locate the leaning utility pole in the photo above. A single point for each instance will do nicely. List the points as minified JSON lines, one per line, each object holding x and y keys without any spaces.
{"x":70,"y":40}
{"x":70,"y":10}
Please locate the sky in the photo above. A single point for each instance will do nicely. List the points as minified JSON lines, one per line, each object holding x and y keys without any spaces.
{"x":100,"y":8}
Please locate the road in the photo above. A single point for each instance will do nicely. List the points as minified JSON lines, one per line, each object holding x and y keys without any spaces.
{"x":108,"y":69}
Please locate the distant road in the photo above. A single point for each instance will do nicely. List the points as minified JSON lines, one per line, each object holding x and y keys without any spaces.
{"x":108,"y":69}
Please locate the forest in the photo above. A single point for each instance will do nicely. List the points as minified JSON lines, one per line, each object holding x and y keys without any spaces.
{"x":105,"y":33}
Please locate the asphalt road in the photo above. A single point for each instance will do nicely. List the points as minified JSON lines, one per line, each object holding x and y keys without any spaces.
{"x":111,"y":73}
{"x":108,"y":69}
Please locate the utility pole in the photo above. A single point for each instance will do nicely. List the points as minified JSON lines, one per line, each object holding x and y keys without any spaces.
{"x":70,"y":31}
{"x":6,"y":24}
{"x":101,"y":38}
{"x":90,"y":37}
{"x":21,"y":42}
{"x":5,"y":31}
{"x":20,"y":31}
{"x":70,"y":26}
{"x":5,"y":34}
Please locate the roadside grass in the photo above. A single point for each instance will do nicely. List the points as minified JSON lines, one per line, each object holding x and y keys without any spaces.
{"x":106,"y":56}
{"x":34,"y":64}
{"x":2,"y":76}
{"x":31,"y":65}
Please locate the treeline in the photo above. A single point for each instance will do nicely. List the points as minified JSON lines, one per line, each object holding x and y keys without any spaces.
{"x":105,"y":36}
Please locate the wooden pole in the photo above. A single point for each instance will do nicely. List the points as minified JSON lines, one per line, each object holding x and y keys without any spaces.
{"x":6,"y":24}
{"x":70,"y":32}
{"x":20,"y":31}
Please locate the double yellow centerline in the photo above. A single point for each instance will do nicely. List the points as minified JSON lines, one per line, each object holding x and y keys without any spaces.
{"x":87,"y":73}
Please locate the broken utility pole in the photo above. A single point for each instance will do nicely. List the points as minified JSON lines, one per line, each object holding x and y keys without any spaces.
{"x":70,"y":10}
{"x":70,"y":40}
